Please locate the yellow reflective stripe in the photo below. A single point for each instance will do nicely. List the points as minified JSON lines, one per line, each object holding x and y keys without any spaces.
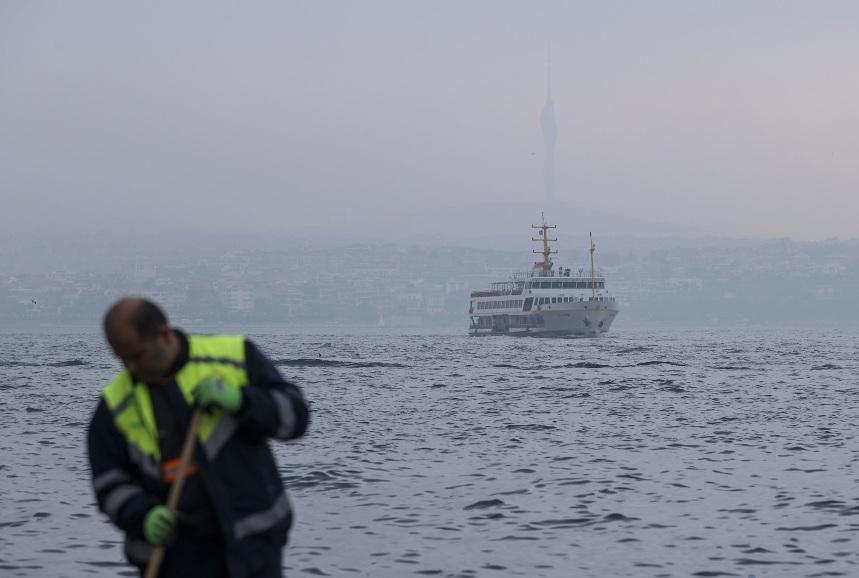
{"x":213,"y":356}
{"x":123,"y":405}
{"x":133,"y":416}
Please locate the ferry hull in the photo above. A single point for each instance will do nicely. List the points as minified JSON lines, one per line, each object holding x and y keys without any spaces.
{"x":583,"y":321}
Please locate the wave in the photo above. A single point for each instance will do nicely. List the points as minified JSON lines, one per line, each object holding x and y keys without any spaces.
{"x":67,"y":363}
{"x":321,"y":362}
{"x":637,"y":349}
{"x":586,"y":365}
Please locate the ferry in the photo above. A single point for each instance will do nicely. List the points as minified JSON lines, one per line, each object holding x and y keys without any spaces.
{"x":546,"y":301}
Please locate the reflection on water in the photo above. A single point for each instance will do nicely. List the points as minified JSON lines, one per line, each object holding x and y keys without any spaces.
{"x":643,"y":453}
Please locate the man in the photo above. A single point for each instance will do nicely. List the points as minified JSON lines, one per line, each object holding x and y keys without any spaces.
{"x":233,"y":515}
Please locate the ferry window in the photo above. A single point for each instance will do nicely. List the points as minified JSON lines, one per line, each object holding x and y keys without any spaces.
{"x":556,"y":285}
{"x":545,"y":285}
{"x":554,"y":300}
{"x":568,"y":284}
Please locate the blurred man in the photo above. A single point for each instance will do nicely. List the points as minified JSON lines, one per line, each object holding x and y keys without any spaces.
{"x":233,"y":515}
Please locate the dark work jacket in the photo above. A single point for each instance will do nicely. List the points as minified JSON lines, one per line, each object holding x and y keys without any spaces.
{"x":242,"y":479}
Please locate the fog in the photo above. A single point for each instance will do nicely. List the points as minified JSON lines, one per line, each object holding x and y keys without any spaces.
{"x":128,"y":118}
{"x":267,"y":150}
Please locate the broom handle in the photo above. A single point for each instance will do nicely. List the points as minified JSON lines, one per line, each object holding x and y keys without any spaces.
{"x":157,"y":555}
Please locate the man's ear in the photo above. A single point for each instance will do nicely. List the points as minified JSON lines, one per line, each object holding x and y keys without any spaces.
{"x":164,"y":332}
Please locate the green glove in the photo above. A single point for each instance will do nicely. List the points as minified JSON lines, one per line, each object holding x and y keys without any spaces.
{"x":159,"y":525}
{"x":215,"y":392}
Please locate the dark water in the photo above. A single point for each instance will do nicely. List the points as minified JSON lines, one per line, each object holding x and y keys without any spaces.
{"x":648,"y":452}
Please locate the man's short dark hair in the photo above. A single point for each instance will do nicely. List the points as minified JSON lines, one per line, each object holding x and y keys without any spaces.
{"x":142,"y":314}
{"x":147,"y":319}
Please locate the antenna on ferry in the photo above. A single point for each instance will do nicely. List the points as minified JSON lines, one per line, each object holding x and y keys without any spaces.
{"x":593,"y":274}
{"x":546,"y":263}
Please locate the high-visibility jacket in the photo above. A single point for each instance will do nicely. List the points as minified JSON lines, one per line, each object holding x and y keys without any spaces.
{"x":231,"y":455}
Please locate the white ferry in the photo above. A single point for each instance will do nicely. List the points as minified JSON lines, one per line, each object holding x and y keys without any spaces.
{"x":545,"y":301}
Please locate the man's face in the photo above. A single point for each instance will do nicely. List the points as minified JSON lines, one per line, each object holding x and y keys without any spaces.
{"x":147,"y":358}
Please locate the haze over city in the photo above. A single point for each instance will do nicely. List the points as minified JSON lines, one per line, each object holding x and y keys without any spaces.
{"x":130,"y":119}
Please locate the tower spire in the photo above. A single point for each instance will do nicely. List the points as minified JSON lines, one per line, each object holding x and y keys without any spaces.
{"x":547,"y":123}
{"x":549,"y":74}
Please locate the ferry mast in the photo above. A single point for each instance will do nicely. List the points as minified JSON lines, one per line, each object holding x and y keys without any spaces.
{"x":593,"y":273}
{"x":546,"y":263}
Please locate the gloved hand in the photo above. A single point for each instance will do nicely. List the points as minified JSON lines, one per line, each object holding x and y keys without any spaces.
{"x":159,"y":525}
{"x":212,"y":391}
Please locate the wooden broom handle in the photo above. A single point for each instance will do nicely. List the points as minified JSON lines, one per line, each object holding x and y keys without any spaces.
{"x":175,"y":493}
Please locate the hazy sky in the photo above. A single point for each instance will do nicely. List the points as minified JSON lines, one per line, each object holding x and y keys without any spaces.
{"x":735,"y":116}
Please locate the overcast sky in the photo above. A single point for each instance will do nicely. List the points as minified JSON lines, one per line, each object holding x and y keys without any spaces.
{"x":734,"y":116}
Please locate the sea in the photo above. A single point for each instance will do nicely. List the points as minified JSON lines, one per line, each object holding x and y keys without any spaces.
{"x":652,"y":451}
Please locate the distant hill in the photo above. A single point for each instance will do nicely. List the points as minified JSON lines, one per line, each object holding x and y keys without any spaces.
{"x":506,"y":226}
